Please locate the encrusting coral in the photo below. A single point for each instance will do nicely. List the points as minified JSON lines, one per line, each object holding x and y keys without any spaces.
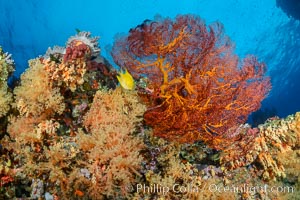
{"x":197,"y":88}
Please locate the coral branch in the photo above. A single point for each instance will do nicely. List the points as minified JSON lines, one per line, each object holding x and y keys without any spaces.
{"x":201,"y":90}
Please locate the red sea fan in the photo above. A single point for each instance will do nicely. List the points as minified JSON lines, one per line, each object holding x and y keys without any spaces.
{"x":200,"y":89}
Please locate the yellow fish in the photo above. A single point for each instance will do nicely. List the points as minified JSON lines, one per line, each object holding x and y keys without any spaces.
{"x":126,"y":80}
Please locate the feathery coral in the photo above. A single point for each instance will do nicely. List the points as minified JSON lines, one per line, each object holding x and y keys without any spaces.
{"x":35,"y":95}
{"x":198,"y":88}
{"x":114,"y":152}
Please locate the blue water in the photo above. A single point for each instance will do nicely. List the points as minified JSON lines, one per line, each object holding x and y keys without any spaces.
{"x":28,"y":27}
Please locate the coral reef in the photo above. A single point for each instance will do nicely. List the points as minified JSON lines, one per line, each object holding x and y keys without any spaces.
{"x":263,"y":145}
{"x":53,"y":146}
{"x":69,"y":131}
{"x":197,"y":89}
{"x":105,"y":158}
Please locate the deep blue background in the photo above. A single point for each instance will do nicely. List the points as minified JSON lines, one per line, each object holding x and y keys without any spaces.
{"x":29,"y":27}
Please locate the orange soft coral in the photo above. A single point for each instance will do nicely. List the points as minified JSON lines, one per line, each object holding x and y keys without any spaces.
{"x":199,"y":89}
{"x":114,"y":154}
{"x":35,"y":95}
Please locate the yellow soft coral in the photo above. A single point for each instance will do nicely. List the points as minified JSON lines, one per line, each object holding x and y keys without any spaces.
{"x":5,"y":100}
{"x":111,"y":147}
{"x":35,"y":94}
{"x":6,"y":68}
